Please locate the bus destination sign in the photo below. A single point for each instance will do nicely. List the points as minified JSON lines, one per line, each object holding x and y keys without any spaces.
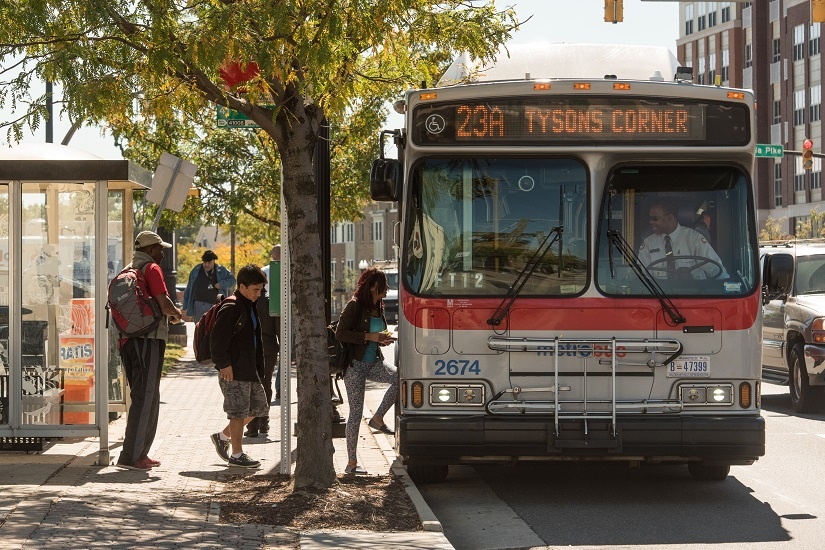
{"x":575,"y":121}
{"x":480,"y":122}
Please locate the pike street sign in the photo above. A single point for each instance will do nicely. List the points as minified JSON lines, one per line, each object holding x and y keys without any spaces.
{"x":770,"y":151}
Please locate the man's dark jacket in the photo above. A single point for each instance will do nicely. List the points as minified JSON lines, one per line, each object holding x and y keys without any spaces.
{"x":233,"y":340}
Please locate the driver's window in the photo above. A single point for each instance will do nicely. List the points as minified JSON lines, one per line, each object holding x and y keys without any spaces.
{"x":688,"y":228}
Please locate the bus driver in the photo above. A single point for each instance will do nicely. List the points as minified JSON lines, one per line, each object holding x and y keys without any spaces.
{"x":677,"y":252}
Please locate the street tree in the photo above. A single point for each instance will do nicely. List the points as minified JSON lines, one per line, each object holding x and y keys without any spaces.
{"x":287,"y":65}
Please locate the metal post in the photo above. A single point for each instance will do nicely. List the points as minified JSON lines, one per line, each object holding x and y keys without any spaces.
{"x":286,"y":341}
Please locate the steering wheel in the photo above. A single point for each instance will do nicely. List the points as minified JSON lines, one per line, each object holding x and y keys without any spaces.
{"x":676,"y":272}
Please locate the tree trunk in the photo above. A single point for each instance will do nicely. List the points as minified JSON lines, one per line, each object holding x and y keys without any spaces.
{"x":314,"y":467}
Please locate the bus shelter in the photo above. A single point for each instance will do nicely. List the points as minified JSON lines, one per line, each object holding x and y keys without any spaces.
{"x":66,"y":228}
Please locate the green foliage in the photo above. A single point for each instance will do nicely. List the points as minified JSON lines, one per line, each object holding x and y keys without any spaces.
{"x":772,"y":231}
{"x":151,"y":72}
{"x":811,"y":227}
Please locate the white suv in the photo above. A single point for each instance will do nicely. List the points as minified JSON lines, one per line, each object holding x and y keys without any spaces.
{"x":793,"y":334}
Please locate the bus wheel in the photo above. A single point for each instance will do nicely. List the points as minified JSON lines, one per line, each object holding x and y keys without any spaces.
{"x":708,"y":472}
{"x":427,"y":473}
{"x":804,"y":397}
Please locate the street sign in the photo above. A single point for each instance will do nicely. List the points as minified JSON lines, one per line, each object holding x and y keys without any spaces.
{"x":770,"y":151}
{"x":227,"y":118}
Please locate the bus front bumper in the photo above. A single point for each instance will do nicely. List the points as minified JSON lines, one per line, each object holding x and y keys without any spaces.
{"x":457,"y":440}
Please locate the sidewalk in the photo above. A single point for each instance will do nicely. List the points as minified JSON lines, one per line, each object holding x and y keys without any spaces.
{"x":62,"y":499}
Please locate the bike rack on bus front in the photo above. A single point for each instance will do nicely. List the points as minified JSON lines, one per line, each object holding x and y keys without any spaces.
{"x":671,"y":348}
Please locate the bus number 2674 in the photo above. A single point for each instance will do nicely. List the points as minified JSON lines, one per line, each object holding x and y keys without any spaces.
{"x":457,"y":367}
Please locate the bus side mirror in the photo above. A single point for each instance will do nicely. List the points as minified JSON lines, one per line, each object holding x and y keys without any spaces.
{"x":777,"y":276}
{"x":385,"y":179}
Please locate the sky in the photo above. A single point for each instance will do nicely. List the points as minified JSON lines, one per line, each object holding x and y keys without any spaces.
{"x":649,"y":23}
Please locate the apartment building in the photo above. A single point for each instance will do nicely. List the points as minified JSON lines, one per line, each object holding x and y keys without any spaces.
{"x":773,"y":48}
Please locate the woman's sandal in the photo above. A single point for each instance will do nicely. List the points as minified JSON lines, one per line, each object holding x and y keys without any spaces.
{"x":382,"y":428}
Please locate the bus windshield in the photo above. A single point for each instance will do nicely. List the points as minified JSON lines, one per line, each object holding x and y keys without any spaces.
{"x":689,"y":226}
{"x":476,"y":222}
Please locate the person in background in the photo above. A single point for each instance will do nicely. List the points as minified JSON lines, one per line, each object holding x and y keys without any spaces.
{"x":363,"y":328}
{"x":239,"y":360}
{"x":274,"y":256}
{"x":269,"y":336}
{"x":206,"y":282}
{"x":143,"y":358}
{"x":702,"y":223}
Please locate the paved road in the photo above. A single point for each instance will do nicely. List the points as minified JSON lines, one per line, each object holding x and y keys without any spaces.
{"x":776,"y":503}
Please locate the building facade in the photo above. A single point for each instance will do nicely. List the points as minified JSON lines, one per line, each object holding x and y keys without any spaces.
{"x":773,"y":48}
{"x":358,"y":245}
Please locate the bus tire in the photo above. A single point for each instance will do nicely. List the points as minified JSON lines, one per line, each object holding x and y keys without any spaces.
{"x":427,"y":473}
{"x":804,"y":397}
{"x":703,"y":471}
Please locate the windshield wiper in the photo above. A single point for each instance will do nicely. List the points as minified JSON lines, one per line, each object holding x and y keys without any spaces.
{"x":644,"y":275}
{"x":525,"y":274}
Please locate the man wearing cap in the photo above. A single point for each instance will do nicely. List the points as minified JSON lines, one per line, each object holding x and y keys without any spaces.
{"x":206,"y":281}
{"x":143,"y":358}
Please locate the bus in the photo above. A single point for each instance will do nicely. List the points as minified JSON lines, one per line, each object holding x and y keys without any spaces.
{"x":559,"y":299}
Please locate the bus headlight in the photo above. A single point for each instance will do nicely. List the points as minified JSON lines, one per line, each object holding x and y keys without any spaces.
{"x":706,"y":394}
{"x":445,"y":395}
{"x":456,"y":394}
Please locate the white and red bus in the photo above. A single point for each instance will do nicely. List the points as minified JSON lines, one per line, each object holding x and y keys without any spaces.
{"x":545,"y":313}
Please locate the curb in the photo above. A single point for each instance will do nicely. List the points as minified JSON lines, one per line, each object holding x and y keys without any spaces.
{"x":428,"y":520}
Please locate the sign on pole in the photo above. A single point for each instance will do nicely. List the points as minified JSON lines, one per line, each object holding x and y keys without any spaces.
{"x":170,"y":184}
{"x":227,"y":118}
{"x":770,"y":151}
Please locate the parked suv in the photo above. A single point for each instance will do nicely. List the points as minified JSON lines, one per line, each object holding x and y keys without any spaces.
{"x":793,"y":307}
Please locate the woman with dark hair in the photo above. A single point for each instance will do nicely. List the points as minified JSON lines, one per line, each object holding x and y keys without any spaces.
{"x":363,"y":328}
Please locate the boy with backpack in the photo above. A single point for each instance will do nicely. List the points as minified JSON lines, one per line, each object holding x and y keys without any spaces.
{"x":237,"y":351}
{"x":143,"y":356}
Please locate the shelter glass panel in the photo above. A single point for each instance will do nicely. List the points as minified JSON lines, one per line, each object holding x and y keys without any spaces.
{"x":57,"y":301}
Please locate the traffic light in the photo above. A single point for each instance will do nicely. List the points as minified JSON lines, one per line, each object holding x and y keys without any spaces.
{"x":818,"y":11}
{"x":807,"y":154}
{"x":614,"y":11}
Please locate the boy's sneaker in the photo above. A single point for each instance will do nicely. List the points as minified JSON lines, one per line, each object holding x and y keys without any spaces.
{"x":221,"y":447}
{"x":244,"y":461}
{"x":143,"y":464}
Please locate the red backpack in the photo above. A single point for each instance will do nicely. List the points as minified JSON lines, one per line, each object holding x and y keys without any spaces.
{"x":134,"y":312}
{"x":203,"y":330}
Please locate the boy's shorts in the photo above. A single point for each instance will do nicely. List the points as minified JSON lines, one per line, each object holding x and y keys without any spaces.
{"x":242,"y":399}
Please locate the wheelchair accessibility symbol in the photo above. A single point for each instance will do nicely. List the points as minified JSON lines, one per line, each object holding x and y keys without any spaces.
{"x":435,"y":124}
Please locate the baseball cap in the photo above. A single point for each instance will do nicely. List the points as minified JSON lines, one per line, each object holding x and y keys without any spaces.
{"x":148,"y":238}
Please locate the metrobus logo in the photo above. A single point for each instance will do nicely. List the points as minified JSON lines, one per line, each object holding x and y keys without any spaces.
{"x":582,"y":350}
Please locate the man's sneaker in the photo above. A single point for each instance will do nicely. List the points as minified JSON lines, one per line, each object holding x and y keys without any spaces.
{"x":143,"y":464}
{"x":221,"y":447}
{"x":244,"y":461}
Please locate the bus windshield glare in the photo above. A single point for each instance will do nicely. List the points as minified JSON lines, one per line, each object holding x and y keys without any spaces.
{"x":475,"y":222}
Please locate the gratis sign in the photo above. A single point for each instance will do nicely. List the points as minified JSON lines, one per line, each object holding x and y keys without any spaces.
{"x":770,"y":151}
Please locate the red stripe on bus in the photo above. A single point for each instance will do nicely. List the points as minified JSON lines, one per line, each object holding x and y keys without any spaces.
{"x":580,"y":313}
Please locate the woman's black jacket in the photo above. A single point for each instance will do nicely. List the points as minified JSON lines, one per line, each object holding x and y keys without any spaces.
{"x":353,"y":325}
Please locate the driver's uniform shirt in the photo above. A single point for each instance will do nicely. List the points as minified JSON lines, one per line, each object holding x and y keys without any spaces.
{"x":685,"y":242}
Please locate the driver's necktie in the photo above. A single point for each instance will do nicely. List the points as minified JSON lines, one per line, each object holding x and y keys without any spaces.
{"x":671,"y":261}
